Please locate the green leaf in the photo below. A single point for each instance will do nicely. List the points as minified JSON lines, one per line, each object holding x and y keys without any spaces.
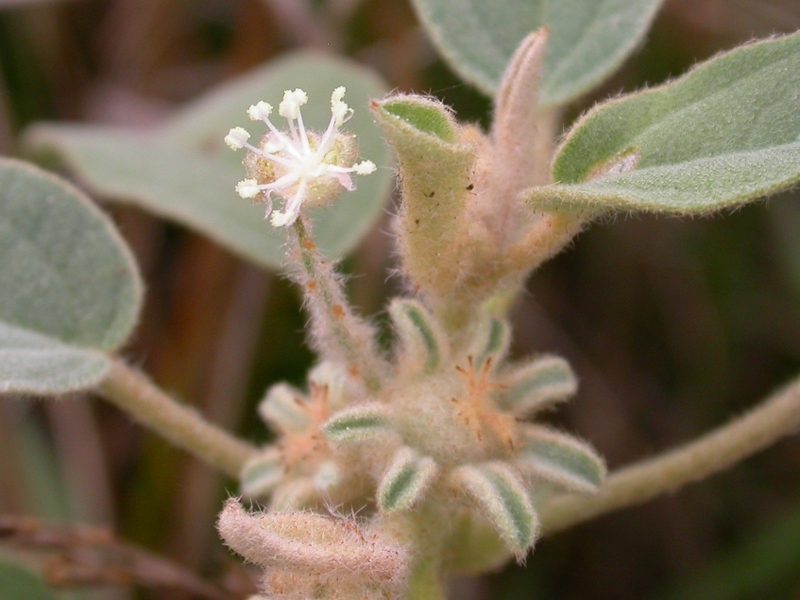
{"x":561,"y":459}
{"x":724,"y":134}
{"x":69,"y":289}
{"x":503,"y":500}
{"x":18,"y":583}
{"x":184,"y":172}
{"x":589,"y":39}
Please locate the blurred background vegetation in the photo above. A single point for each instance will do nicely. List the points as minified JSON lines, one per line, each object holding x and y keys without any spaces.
{"x":672,"y":325}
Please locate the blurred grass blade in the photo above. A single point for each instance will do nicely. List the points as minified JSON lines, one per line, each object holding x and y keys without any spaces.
{"x":766,"y":566}
{"x":18,"y":583}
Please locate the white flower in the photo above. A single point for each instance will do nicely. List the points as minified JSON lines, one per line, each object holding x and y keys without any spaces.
{"x":299,"y":166}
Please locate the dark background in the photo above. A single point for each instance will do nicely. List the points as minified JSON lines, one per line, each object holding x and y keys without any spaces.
{"x":673,"y":325}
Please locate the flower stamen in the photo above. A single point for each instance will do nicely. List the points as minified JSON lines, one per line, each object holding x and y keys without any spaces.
{"x":300,"y":166}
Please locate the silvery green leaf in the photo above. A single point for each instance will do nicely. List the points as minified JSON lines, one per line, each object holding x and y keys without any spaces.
{"x":589,"y":39}
{"x":69,"y":289}
{"x":726,"y":133}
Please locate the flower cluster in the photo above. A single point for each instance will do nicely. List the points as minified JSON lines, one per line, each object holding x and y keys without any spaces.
{"x":433,"y":443}
{"x":299,"y":166}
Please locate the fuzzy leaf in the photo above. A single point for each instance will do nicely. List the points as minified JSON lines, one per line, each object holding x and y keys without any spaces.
{"x":18,"y":583}
{"x":262,"y":474}
{"x":183,"y":171}
{"x":589,"y":39}
{"x":310,"y":543}
{"x":723,"y":134}
{"x":424,"y":344}
{"x":406,"y":480}
{"x":357,"y":423}
{"x":562,"y":459}
{"x":69,"y":289}
{"x":504,"y":501}
{"x":435,"y":173}
{"x":538,"y":384}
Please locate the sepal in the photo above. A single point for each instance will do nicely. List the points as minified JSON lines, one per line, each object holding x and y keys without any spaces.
{"x":561,"y":459}
{"x":282,"y":408}
{"x":424,"y":344}
{"x":357,"y":423}
{"x":262,"y":474}
{"x":491,"y":341}
{"x":341,"y":392}
{"x":539,"y":384}
{"x":504,"y":501}
{"x":407,"y":479}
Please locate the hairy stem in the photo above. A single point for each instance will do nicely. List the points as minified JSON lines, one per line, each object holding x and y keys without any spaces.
{"x":335,"y":328}
{"x":135,"y":394}
{"x":776,"y":417}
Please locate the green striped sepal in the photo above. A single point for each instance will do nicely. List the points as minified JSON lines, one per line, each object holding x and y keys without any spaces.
{"x":282,"y":408}
{"x":357,"y":423}
{"x":262,"y":474}
{"x":491,"y":341}
{"x":504,"y":501}
{"x":406,"y":480}
{"x":424,"y":344}
{"x":561,"y":459}
{"x":539,"y":384}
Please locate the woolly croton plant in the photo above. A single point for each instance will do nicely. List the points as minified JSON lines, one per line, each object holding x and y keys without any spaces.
{"x":427,"y":459}
{"x":395,"y":469}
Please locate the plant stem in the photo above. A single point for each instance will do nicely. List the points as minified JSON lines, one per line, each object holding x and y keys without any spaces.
{"x":776,"y":417}
{"x":334,"y":325}
{"x":135,"y":394}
